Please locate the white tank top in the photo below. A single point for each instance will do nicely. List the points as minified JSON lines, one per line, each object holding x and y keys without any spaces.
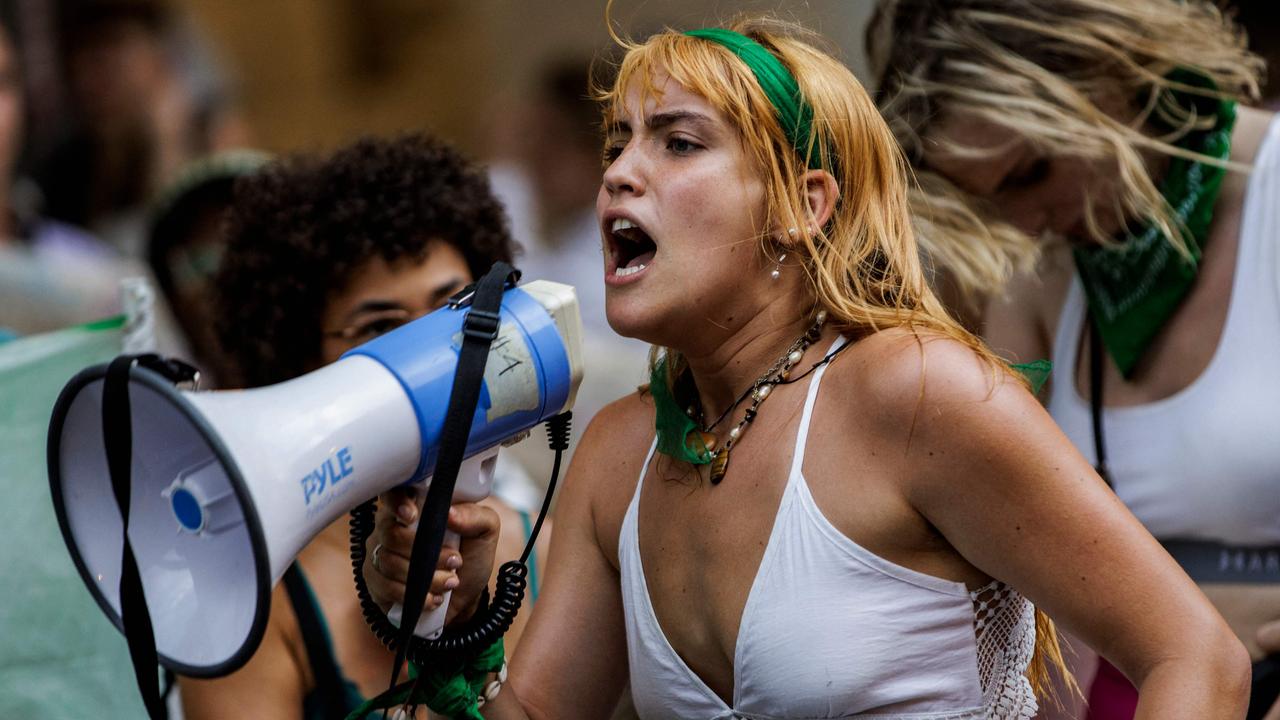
{"x":831,"y":630}
{"x":1204,"y":463}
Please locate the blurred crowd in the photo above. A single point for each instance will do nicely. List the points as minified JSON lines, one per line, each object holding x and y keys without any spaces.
{"x":120,"y":141}
{"x":124,"y":153}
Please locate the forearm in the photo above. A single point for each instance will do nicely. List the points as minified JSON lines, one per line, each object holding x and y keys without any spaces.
{"x":1196,"y":688}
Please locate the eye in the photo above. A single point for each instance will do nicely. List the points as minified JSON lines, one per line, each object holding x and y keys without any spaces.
{"x":379,"y":326}
{"x":612,"y":152}
{"x":681,"y":146}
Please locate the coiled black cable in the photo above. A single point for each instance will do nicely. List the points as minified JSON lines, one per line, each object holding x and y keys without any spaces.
{"x":494,"y":617}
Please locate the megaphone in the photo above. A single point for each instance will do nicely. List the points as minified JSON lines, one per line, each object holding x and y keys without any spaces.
{"x":228,"y":486}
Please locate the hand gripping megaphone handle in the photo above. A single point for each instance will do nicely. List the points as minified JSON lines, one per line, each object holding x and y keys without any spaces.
{"x":479,"y":328}
{"x":474,"y":483}
{"x":431,"y":622}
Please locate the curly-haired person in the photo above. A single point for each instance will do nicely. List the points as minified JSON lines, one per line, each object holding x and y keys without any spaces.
{"x":326,"y":253}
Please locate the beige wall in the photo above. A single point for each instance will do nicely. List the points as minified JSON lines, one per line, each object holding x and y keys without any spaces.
{"x":314,"y":73}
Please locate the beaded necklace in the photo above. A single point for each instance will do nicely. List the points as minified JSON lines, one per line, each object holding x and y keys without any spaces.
{"x":684,"y":434}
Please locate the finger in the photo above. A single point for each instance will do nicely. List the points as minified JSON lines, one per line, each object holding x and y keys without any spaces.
{"x":1273,"y":713}
{"x":401,"y":504}
{"x":396,"y":566}
{"x":406,"y":511}
{"x":470,"y":520}
{"x":443,"y":581}
{"x":386,"y":592}
{"x":390,"y":565}
{"x":397,"y":539}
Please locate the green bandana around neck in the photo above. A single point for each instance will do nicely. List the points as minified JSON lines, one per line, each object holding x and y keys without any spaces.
{"x":1134,"y":288}
{"x":779,"y":85}
{"x":677,"y":432}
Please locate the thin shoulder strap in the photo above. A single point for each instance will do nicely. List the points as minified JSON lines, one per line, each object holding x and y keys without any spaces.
{"x":802,"y":433}
{"x":319,"y":646}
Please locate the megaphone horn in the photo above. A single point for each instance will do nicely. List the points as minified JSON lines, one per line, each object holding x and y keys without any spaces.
{"x":228,"y":486}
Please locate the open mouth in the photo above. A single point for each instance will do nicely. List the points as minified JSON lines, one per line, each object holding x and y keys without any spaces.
{"x":632,"y":248}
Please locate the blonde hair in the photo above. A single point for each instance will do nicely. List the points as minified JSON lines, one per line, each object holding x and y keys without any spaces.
{"x":863,"y":265}
{"x":1041,"y":69}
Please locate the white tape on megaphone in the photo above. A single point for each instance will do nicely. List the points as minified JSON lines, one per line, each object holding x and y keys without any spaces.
{"x":227,"y":487}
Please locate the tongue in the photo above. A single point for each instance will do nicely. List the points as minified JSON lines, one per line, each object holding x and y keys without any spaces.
{"x":642,"y":259}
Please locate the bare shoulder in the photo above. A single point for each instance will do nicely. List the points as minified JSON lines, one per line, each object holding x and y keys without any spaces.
{"x":908,"y":381}
{"x":619,"y":435}
{"x":606,"y":467}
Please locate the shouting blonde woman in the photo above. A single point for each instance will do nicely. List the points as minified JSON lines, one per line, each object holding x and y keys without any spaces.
{"x":832,"y":501}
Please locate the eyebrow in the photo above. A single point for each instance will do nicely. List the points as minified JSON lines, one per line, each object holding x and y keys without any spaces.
{"x":440,"y":292}
{"x":657,"y":121}
{"x":374,"y":306}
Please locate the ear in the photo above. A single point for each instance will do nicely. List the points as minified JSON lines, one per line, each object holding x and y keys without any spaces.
{"x":823,"y":192}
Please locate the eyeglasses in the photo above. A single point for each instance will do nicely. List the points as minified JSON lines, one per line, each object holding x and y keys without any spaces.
{"x":379,"y":317}
{"x":374,"y":324}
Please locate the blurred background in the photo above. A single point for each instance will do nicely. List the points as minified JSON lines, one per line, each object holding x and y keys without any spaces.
{"x":319,"y":71}
{"x":110,"y":113}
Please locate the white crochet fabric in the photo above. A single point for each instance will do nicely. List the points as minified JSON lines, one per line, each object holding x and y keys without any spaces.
{"x":1005,"y":623}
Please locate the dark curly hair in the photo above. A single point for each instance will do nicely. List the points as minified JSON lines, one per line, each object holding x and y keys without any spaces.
{"x":299,"y":228}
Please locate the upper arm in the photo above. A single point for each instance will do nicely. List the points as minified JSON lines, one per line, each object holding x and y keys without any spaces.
{"x":269,"y":685}
{"x":572,"y":658}
{"x":991,"y":471}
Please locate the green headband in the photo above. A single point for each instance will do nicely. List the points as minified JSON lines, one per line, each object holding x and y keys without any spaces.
{"x":779,"y":85}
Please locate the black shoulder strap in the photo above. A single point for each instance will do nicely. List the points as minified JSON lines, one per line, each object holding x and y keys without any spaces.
{"x":479,"y":329}
{"x":324,"y":666}
{"x":1095,"y":400}
{"x":117,"y":436}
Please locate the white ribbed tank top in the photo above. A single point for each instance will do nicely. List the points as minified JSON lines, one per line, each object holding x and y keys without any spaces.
{"x":831,"y":630}
{"x":1204,"y":463}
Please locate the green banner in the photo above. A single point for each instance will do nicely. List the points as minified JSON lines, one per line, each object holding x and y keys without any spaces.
{"x":60,"y":657}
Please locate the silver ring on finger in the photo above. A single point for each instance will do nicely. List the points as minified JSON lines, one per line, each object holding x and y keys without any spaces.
{"x":377,"y":564}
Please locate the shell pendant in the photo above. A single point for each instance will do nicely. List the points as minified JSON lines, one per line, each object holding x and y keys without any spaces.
{"x":719,"y":465}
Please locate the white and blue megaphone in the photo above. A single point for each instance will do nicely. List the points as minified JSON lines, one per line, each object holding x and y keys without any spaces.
{"x":228,"y":487}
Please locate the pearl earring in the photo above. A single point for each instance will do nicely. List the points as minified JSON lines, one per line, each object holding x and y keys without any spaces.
{"x":777,"y":267}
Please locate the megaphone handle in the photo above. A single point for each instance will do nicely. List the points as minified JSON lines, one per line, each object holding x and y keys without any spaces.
{"x":430,"y":622}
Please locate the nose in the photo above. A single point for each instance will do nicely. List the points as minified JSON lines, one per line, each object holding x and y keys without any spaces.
{"x":625,"y":174}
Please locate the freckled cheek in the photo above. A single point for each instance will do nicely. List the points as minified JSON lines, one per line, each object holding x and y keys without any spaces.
{"x":713,"y":211}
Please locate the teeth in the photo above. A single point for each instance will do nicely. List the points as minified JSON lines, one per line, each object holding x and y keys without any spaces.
{"x":621,"y":224}
{"x":623,"y":272}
